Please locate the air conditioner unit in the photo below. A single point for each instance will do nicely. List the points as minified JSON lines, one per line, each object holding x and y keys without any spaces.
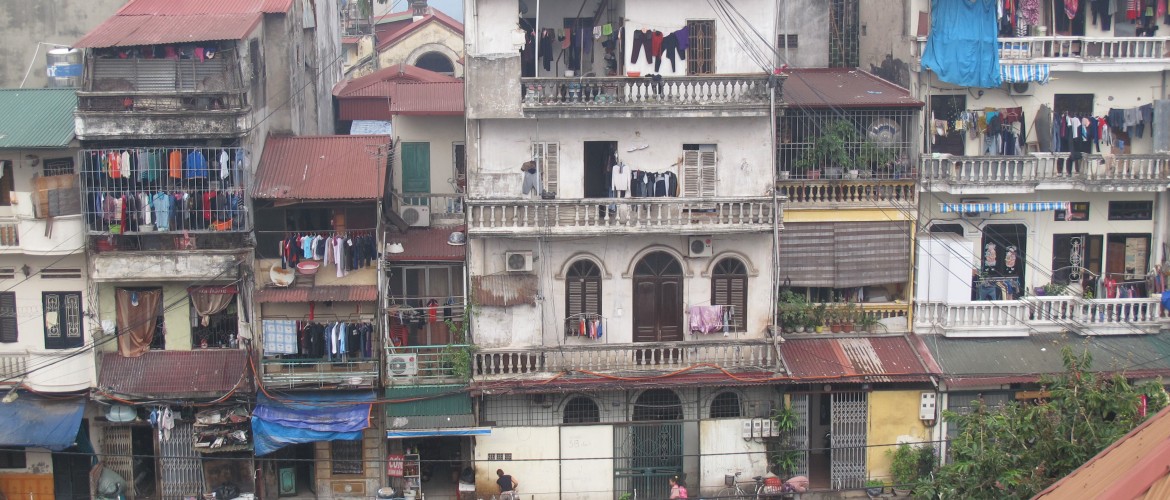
{"x":699,"y":247}
{"x":1019,"y":88}
{"x":417,"y":216}
{"x":518,"y":261}
{"x":402,"y":365}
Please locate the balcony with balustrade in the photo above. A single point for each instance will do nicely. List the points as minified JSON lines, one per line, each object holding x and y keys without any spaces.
{"x":632,"y":97}
{"x":1020,"y":318}
{"x":319,"y":373}
{"x":544,"y":362}
{"x":162,"y":98}
{"x":1082,"y":53}
{"x":942,"y":173}
{"x":589,"y":217}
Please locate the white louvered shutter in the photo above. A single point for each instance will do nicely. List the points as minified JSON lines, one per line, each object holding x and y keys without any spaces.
{"x":547,"y":156}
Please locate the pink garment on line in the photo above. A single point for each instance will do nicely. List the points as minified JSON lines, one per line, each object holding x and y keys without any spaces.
{"x":706,"y":319}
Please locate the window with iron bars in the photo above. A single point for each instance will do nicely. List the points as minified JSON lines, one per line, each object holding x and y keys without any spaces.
{"x":140,"y":190}
{"x":843,"y":31}
{"x":830,"y":144}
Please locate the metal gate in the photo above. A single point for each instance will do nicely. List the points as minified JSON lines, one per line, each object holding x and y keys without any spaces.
{"x":182,"y":469}
{"x":847,"y":467}
{"x":798,"y":436}
{"x":117,"y":453}
{"x":645,"y":457}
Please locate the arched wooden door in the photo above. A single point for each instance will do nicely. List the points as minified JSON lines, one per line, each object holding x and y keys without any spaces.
{"x":658,"y":293}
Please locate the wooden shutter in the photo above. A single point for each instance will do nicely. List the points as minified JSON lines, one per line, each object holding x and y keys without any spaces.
{"x":582,"y":294}
{"x":698,"y":174}
{"x":731,"y":290}
{"x":8,"y":317}
{"x":56,"y":196}
{"x":547,"y":156}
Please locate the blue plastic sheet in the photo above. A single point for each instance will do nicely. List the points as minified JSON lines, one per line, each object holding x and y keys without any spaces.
{"x":307,"y":418}
{"x":962,"y":48}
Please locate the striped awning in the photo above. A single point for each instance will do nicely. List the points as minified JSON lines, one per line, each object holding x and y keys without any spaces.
{"x":1003,"y":208}
{"x":1012,"y":73}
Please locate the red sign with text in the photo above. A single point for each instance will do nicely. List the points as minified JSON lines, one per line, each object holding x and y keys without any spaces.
{"x":394,"y":465}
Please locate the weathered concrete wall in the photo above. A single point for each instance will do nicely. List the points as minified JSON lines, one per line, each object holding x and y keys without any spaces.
{"x":148,"y":266}
{"x":278,"y":56}
{"x":726,"y":452}
{"x":434,"y":37}
{"x":55,"y":374}
{"x":177,"y":125}
{"x":885,"y":40}
{"x":24,"y":24}
{"x":492,"y":88}
{"x":809,"y":21}
{"x":329,"y":61}
{"x":516,"y":326}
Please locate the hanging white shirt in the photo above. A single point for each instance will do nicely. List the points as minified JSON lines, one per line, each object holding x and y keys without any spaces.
{"x":620,"y":177}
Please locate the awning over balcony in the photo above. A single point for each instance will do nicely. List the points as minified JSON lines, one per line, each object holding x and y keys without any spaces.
{"x":41,"y":423}
{"x":1003,"y":208}
{"x":1014,"y":73}
{"x":427,"y":409}
{"x":308,"y":418}
{"x":844,"y":254}
{"x":866,"y":359}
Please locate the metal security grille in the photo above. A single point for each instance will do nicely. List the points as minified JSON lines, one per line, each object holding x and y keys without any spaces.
{"x":581,"y":410}
{"x":878,"y":147}
{"x":645,"y":457}
{"x":118,"y":452}
{"x":164,"y":189}
{"x":798,"y":436}
{"x":701,"y":52}
{"x":182,"y":467}
{"x":843,"y":39}
{"x":347,"y":456}
{"x":847,"y":469}
{"x":726,"y":405}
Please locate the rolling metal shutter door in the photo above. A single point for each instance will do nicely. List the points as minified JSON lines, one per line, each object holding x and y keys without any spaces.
{"x":844,"y":254}
{"x":806,"y":254}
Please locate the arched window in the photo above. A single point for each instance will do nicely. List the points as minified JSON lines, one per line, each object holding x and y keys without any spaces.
{"x":437,"y":62}
{"x":581,"y":410}
{"x":729,"y":287}
{"x":726,"y":405}
{"x":582,"y":295}
{"x":658,"y":404}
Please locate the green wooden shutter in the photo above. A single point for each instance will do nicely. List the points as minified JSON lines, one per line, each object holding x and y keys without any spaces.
{"x":8,"y":317}
{"x":416,"y":169}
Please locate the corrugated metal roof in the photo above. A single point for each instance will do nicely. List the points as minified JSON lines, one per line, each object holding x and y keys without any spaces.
{"x":36,"y":118}
{"x":202,"y":372}
{"x":1024,"y":359}
{"x":39,"y":422}
{"x":455,"y":402}
{"x":432,"y":16}
{"x":874,"y":359}
{"x":331,"y":167}
{"x":148,"y":22}
{"x":396,"y":73}
{"x":333,"y":293}
{"x":383,"y":101}
{"x":195,"y":7}
{"x":128,"y":31}
{"x":427,"y":244}
{"x":1134,"y":466}
{"x":504,"y":290}
{"x":842,"y":87}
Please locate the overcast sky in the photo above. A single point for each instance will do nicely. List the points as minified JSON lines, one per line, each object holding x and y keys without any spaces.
{"x":453,"y":8}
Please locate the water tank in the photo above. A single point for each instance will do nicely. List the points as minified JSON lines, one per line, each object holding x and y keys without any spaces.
{"x":64,"y":68}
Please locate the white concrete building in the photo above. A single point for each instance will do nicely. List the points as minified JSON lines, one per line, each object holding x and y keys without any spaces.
{"x":606,"y":215}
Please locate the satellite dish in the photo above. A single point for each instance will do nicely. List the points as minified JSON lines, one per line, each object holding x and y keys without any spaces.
{"x":884,"y":132}
{"x":121,"y":413}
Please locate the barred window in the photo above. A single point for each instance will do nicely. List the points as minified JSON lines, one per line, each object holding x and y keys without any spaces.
{"x":347,"y":456}
{"x":726,"y":405}
{"x":581,"y":410}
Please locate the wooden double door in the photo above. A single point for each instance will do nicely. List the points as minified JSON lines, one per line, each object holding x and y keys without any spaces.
{"x":658,"y":299}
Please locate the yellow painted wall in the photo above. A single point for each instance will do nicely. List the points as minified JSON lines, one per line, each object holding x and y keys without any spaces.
{"x":846,"y":215}
{"x":893,"y":418}
{"x":177,"y":316}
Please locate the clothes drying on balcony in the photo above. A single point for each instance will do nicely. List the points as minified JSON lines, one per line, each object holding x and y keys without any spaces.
{"x":1013,"y":73}
{"x":337,"y":341}
{"x":963,"y":48}
{"x":710,"y":319}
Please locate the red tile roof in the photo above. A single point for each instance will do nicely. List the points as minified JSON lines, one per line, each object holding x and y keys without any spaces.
{"x":429,"y":244}
{"x":854,"y":359}
{"x":843,"y":87}
{"x":432,"y":16}
{"x":1133,"y":467}
{"x":384,"y":100}
{"x":331,"y":167}
{"x":350,"y":40}
{"x":397,"y":73}
{"x":202,"y":372}
{"x":148,"y":22}
{"x":333,"y":293}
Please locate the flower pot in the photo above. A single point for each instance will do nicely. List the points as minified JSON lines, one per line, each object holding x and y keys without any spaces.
{"x":874,"y":492}
{"x":852,"y":174}
{"x":820,"y":328}
{"x":847,"y":327}
{"x":835,"y":328}
{"x":800,"y":329}
{"x":784,"y":174}
{"x":900,"y":492}
{"x":814,"y":174}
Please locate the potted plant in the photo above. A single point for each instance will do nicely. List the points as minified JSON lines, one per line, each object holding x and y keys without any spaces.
{"x":820,"y":316}
{"x":848,"y":317}
{"x":869,"y":323}
{"x":830,"y":149}
{"x":787,"y":457}
{"x":904,"y":468}
{"x":874,"y":488}
{"x":792,"y":307}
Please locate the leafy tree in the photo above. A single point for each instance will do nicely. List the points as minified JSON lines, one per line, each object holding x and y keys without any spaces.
{"x":1017,"y":450}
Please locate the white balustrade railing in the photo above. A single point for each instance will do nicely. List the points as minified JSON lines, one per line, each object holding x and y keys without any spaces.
{"x":731,"y":355}
{"x":866,"y":193}
{"x":1044,"y":167}
{"x":1056,"y":49}
{"x":620,"y":91}
{"x":13,"y":366}
{"x":606,"y":214}
{"x":1035,"y":314}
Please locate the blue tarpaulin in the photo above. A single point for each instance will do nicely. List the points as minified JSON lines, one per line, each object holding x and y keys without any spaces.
{"x":962,"y":48}
{"x":307,"y":418}
{"x":40,"y":423}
